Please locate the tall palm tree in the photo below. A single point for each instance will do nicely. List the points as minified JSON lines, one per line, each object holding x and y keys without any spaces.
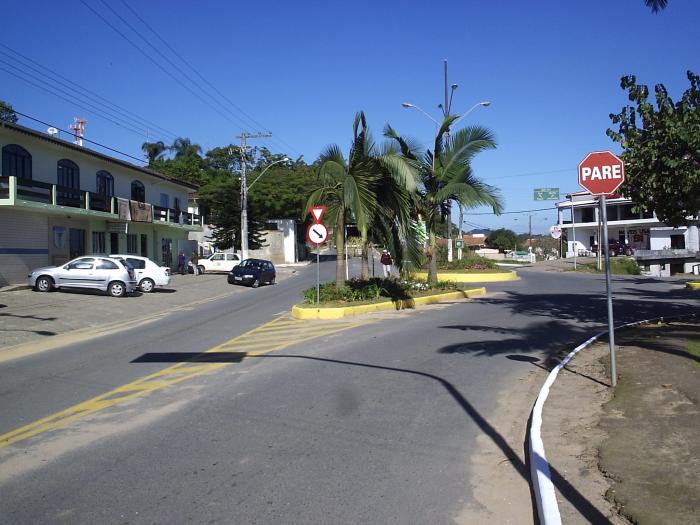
{"x":446,"y":175}
{"x":656,"y":5}
{"x":153,"y":150}
{"x":183,"y":148}
{"x":347,"y":189}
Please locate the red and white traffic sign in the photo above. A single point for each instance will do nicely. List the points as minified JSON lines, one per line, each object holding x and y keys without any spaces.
{"x":601,"y":173}
{"x":317,"y":233}
{"x":317,"y":212}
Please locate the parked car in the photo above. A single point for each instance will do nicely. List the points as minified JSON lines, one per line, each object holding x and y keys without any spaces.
{"x":616,"y":248}
{"x":219,"y":262}
{"x":148,"y":273}
{"x":92,"y":272}
{"x":253,"y":272}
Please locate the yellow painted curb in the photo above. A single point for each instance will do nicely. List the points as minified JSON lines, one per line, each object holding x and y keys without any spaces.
{"x":471,"y":277}
{"x":347,"y":311}
{"x":693,"y":285}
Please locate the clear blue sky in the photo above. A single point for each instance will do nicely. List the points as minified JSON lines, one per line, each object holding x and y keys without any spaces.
{"x":302,"y":69}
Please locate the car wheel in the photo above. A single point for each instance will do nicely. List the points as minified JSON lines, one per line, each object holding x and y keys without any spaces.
{"x":117,"y":289}
{"x":200,"y":268}
{"x":44,"y":284}
{"x":272,"y":281}
{"x":256,"y":283}
{"x":147,"y":285}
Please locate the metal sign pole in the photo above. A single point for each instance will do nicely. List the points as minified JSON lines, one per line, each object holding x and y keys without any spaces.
{"x":318,"y":274}
{"x":608,"y":287}
{"x":573,"y":229}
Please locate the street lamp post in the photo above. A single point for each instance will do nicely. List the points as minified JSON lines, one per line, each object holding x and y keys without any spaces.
{"x":244,"y":204}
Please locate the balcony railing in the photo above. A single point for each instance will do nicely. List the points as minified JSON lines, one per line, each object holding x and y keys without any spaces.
{"x":36,"y":191}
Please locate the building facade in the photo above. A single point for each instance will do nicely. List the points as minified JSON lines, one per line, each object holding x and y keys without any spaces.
{"x":659,"y":249}
{"x":59,"y":201}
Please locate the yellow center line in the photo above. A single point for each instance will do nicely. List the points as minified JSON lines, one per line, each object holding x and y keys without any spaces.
{"x":179,"y":372}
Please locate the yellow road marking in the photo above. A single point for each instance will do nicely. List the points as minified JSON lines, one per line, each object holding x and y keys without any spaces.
{"x":297,"y":332}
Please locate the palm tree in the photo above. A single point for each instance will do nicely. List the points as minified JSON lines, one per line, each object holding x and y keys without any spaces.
{"x":656,"y":5}
{"x":347,"y":189}
{"x":184,"y":148}
{"x":153,"y":150}
{"x":446,"y":175}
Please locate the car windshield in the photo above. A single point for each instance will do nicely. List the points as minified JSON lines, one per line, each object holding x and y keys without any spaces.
{"x":249,"y":263}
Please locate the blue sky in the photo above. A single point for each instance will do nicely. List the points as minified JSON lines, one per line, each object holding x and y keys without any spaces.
{"x":302,"y":69}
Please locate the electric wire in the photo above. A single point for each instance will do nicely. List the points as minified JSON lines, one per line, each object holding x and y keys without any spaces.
{"x":100,"y":112}
{"x":207,"y":82}
{"x":89,"y":93}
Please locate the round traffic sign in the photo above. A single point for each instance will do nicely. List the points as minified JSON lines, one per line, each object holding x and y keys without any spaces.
{"x":317,"y":233}
{"x":555,"y":231}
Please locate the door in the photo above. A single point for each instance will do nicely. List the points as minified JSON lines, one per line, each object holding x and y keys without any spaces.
{"x":77,"y":243}
{"x":232,"y":260}
{"x":79,"y":273}
{"x":139,"y":266}
{"x":218,"y":261}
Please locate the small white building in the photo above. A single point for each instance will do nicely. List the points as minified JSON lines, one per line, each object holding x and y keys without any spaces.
{"x":659,"y":249}
{"x":59,"y":200}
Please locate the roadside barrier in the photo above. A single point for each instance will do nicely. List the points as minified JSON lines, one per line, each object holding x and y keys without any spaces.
{"x":540,"y":474}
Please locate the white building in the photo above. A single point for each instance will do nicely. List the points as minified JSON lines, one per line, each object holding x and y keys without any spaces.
{"x":59,"y":201}
{"x":660,"y":249}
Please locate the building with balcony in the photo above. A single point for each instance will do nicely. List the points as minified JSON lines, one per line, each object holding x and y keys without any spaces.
{"x":59,"y":201}
{"x":659,"y":249}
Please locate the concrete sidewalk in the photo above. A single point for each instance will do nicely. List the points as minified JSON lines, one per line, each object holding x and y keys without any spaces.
{"x":29,"y":318}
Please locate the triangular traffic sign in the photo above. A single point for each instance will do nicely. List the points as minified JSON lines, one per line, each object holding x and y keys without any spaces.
{"x":317,"y":212}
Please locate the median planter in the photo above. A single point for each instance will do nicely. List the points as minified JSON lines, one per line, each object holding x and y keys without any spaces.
{"x":472,"y":277}
{"x":308,"y":311}
{"x":693,"y":285}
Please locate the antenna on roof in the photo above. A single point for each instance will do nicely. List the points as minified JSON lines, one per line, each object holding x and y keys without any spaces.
{"x":52,"y":131}
{"x":78,"y":128}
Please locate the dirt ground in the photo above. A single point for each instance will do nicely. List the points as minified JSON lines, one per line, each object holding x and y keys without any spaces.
{"x":633,"y":456}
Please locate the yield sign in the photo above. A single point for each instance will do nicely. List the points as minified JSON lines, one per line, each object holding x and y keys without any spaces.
{"x":317,"y":212}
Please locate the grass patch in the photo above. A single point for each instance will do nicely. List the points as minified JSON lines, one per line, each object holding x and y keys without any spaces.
{"x":618,"y":266}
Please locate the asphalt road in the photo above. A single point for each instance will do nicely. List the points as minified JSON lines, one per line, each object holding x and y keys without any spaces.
{"x":372,"y":423}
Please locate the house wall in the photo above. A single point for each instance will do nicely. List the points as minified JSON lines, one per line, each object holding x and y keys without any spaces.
{"x":22,"y":244}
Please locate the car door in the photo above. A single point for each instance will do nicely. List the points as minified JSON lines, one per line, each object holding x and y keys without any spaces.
{"x":232,"y":260}
{"x":79,"y":273}
{"x":105,"y":270}
{"x":217,"y":262}
{"x":139,"y":266}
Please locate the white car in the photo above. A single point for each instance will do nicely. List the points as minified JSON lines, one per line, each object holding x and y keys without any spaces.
{"x":92,"y":272}
{"x":219,"y":262}
{"x":148,"y":273}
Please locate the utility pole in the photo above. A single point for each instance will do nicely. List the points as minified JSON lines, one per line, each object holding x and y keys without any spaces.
{"x":244,"y":189}
{"x":446,"y":110}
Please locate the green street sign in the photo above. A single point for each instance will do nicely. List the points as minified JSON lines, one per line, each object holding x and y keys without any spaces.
{"x":546,"y":194}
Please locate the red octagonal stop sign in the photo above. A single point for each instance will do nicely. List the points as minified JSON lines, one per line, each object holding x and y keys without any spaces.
{"x":601,"y":173}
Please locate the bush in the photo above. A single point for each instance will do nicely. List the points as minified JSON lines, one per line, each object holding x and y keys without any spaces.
{"x":357,"y":290}
{"x":470,"y":261}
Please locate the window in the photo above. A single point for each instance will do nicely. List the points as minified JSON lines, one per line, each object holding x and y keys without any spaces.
{"x":113,"y":243}
{"x":176,"y":203}
{"x":138,"y":191}
{"x":105,"y":183}
{"x":99,"y":243}
{"x":16,"y":162}
{"x":144,"y":245}
{"x":588,"y":215}
{"x":137,"y":264}
{"x":131,"y":243}
{"x":104,"y":264}
{"x":678,"y":242}
{"x":68,"y":174}
{"x":218,"y":257}
{"x":164,"y":200}
{"x":85,"y":263}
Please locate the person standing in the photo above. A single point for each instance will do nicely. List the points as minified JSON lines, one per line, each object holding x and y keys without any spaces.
{"x":181,"y":260}
{"x":386,"y":261}
{"x":195,"y":263}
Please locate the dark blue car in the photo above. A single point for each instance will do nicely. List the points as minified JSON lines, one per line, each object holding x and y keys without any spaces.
{"x":253,"y":272}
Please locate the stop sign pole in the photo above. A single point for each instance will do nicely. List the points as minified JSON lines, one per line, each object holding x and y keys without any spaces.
{"x":601,"y":173}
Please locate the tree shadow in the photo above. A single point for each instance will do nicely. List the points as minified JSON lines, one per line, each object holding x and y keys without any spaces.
{"x":36,"y":317}
{"x":588,"y":510}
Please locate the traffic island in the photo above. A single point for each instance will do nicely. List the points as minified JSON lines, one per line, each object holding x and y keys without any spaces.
{"x":472,"y":277}
{"x":693,"y":285}
{"x":311,"y":311}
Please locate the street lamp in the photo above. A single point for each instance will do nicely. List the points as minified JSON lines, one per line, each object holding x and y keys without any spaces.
{"x":244,"y":207}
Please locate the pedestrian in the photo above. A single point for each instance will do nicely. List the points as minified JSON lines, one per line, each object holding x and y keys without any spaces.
{"x":181,"y":260}
{"x":386,"y":261}
{"x":195,"y":263}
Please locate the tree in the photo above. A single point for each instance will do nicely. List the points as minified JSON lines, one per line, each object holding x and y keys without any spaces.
{"x":153,"y":150}
{"x":661,"y":151}
{"x":184,"y":148}
{"x":446,"y":175}
{"x":656,"y":5}
{"x":502,"y":239}
{"x":7,"y":113}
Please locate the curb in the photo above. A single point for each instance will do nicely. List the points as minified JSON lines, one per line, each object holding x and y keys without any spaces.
{"x":540,"y":475}
{"x":348,"y":311}
{"x":693,"y":285}
{"x":471,"y":277}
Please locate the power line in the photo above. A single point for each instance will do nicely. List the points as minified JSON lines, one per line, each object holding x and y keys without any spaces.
{"x":196,"y":72}
{"x":101,"y":112}
{"x":84,"y":139}
{"x":145,"y":122}
{"x":510,"y":212}
{"x":531,"y":174}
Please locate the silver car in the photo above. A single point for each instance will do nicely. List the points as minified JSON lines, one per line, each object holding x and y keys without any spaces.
{"x":91,"y":272}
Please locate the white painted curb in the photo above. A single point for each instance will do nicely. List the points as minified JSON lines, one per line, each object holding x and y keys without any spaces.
{"x":540,"y":475}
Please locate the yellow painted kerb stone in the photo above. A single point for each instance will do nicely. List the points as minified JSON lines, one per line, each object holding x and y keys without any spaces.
{"x":694,"y":285}
{"x":471,"y":277}
{"x":347,"y":311}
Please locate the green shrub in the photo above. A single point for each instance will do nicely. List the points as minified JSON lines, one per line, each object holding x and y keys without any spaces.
{"x":357,"y":290}
{"x":469,"y":261}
